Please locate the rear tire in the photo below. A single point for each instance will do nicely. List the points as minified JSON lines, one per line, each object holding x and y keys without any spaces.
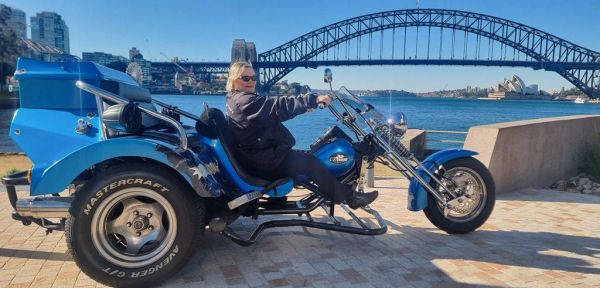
{"x":131,"y":226}
{"x":475,"y":179}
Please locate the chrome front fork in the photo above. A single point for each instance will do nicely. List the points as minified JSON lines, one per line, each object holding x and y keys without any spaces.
{"x":403,"y":164}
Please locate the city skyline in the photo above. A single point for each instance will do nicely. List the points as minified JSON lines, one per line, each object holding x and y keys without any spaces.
{"x":49,"y":28}
{"x":180,"y":32}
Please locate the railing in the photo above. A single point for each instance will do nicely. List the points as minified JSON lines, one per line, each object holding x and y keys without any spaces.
{"x":447,"y":133}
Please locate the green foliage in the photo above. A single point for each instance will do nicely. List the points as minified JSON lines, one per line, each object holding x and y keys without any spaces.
{"x":591,"y":164}
{"x":119,"y":66}
{"x":10,"y":49}
{"x":566,"y":92}
{"x":10,"y":171}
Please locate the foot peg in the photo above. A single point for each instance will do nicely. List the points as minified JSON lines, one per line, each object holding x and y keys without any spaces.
{"x":362,"y":199}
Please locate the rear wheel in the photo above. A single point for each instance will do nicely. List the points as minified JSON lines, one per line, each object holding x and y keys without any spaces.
{"x":470,"y":178}
{"x":134,"y":227}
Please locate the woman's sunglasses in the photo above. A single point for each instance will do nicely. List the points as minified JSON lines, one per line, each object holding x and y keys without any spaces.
{"x":248,"y":78}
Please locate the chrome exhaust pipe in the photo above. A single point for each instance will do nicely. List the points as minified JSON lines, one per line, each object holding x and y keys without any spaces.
{"x":44,"y":207}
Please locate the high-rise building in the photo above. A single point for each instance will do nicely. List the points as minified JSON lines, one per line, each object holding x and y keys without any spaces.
{"x":133,"y":52}
{"x":15,"y":19}
{"x":49,"y":28}
{"x":103,"y":58}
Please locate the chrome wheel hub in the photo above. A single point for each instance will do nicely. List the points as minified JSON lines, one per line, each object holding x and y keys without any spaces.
{"x":470,"y":188}
{"x":134,"y":227}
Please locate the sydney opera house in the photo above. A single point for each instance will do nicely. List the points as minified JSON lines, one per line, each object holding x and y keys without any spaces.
{"x":515,"y":88}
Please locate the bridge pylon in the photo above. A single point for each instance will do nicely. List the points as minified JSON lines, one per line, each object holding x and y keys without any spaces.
{"x":245,"y":51}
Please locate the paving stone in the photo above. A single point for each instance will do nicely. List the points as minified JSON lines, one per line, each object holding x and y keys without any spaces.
{"x":536,"y":238}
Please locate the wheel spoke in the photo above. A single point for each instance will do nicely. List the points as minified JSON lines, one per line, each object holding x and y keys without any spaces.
{"x":157,"y":210}
{"x":131,"y":203}
{"x":466,"y":183}
{"x":117,"y":226}
{"x":134,"y":244}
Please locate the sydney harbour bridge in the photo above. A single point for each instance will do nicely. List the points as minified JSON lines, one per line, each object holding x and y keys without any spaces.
{"x":419,"y":37}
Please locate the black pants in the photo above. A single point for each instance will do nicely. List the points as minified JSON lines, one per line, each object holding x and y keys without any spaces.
{"x":300,"y":163}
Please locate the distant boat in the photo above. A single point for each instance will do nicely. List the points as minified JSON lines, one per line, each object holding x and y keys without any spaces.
{"x":580,"y":100}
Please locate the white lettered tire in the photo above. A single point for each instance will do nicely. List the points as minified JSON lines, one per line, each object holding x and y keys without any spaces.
{"x":133,"y":226}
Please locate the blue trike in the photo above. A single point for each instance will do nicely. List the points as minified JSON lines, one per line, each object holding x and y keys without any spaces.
{"x":133,"y":188}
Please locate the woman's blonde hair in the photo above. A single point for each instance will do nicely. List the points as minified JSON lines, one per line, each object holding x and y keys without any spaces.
{"x":235,"y":71}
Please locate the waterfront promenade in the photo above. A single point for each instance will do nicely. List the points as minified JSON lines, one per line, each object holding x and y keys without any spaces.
{"x":534,"y":238}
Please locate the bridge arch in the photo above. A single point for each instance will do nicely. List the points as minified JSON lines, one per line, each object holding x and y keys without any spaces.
{"x":579,"y":65}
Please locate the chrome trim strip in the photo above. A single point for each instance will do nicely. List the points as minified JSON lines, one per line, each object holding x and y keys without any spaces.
{"x":239,"y":201}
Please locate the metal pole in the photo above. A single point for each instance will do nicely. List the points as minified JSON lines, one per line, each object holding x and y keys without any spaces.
{"x":370,"y":177}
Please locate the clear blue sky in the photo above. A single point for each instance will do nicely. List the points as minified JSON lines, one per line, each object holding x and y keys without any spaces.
{"x":205,"y":30}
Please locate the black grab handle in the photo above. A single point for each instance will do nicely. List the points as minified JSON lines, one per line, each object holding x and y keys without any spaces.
{"x":10,"y":181}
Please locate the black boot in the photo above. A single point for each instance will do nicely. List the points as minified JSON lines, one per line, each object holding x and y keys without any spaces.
{"x":358,"y":200}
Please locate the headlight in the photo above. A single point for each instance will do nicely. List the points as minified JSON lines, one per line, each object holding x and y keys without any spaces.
{"x":398,"y":124}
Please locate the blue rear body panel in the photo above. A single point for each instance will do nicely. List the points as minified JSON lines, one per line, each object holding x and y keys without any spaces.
{"x":44,"y":128}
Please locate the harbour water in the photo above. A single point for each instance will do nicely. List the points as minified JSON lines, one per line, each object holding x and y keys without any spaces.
{"x":425,"y":113}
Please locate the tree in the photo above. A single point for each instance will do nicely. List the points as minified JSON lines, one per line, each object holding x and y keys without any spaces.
{"x":294,"y":88}
{"x":118,"y":65}
{"x":10,"y":47}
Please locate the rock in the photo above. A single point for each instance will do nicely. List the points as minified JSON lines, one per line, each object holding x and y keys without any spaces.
{"x":583,"y":181}
{"x":560,"y":185}
{"x":587,"y":186}
{"x":587,"y":191}
{"x":571,"y":183}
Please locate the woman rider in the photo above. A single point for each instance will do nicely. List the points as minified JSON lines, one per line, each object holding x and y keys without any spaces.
{"x":264,"y":144}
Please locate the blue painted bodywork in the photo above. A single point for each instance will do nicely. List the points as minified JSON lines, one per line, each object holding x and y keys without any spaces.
{"x":217,"y":149}
{"x":417,"y":195}
{"x":55,"y":176}
{"x":338,"y":146}
{"x":44,"y":128}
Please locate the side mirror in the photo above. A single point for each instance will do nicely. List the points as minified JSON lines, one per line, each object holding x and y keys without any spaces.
{"x":398,"y":123}
{"x":124,"y":118}
{"x":328,"y":75}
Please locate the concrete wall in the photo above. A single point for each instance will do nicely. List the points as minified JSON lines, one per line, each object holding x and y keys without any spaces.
{"x":415,"y":140}
{"x":534,"y":153}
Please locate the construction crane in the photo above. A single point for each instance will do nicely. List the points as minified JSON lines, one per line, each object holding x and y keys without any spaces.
{"x":172,"y":60}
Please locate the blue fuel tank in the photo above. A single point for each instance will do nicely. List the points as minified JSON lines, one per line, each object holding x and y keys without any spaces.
{"x":338,"y":156}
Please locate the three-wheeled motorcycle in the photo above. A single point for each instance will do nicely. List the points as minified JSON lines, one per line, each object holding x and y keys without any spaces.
{"x":133,"y":188}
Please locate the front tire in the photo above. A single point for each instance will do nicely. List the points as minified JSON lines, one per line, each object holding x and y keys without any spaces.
{"x":471,"y":178}
{"x":131,"y":226}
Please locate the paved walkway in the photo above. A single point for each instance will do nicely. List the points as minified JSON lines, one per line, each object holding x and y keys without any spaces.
{"x":536,"y":238}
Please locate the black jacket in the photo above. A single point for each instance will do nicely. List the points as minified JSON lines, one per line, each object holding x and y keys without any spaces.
{"x":255,"y":125}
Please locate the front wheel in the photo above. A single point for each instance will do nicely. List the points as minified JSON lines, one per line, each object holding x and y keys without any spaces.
{"x":134,"y":225}
{"x":469,"y":177}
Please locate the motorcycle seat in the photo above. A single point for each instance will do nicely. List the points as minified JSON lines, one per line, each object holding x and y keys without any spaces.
{"x":213,"y":124}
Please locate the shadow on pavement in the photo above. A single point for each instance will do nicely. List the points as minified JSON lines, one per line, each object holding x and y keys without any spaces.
{"x":548,"y":195}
